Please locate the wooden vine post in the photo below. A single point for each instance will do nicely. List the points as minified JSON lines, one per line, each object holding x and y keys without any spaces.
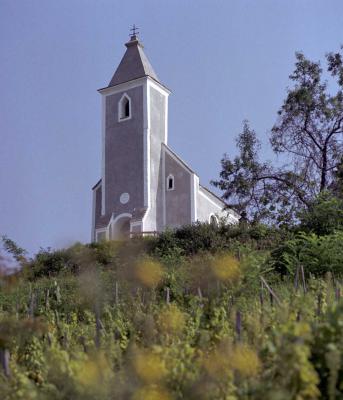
{"x":5,"y":361}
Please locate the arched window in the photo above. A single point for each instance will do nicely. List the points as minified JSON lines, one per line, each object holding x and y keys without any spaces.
{"x":127,"y":108}
{"x":124,"y":107}
{"x":213,"y":220}
{"x":170,"y":182}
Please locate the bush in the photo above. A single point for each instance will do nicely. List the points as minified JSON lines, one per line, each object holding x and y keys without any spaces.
{"x":50,"y":263}
{"x":324,"y":216}
{"x":317,"y":254}
{"x":327,"y":353}
{"x":189,"y":240}
{"x":203,"y":237}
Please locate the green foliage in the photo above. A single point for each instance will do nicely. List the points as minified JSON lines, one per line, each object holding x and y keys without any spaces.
{"x":191,"y":239}
{"x":337,"y":184}
{"x":157,"y":319}
{"x":182,"y":315}
{"x":241,"y":178}
{"x":291,"y":346}
{"x":327,"y":353}
{"x":202,"y":237}
{"x":317,"y":254}
{"x":50,"y":263}
{"x":323,"y":216}
{"x":11,"y":247}
{"x":201,"y":312}
{"x":308,"y":132}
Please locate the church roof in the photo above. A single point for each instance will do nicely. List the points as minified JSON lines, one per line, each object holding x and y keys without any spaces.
{"x":133,"y":65}
{"x":166,"y":147}
{"x":97,"y":184}
{"x":187,"y":167}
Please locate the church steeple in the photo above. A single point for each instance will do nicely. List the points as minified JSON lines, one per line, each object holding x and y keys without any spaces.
{"x":134,"y":64}
{"x":144,"y":186}
{"x":134,"y":126}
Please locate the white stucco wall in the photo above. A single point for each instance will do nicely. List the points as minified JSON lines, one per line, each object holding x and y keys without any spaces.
{"x":208,"y":204}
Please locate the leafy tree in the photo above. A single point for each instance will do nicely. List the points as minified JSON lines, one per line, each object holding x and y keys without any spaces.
{"x":324,"y":215}
{"x":310,"y":125}
{"x":254,"y":187}
{"x":337,"y":185}
{"x":309,"y":132}
{"x":12,"y":248}
{"x":239,"y":177}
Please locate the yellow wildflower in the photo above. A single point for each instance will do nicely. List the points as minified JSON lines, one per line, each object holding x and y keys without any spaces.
{"x":226,"y":268}
{"x":171,"y":320}
{"x":149,"y":273}
{"x":245,"y":361}
{"x":149,"y":366}
{"x":93,"y":371}
{"x":151,"y":393}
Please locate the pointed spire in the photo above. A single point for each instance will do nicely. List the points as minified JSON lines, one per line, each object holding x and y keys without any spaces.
{"x":134,"y":64}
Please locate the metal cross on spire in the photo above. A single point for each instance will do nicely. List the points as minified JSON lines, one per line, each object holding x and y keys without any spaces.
{"x":134,"y":31}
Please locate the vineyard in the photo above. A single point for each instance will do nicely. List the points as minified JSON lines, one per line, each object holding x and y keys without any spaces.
{"x":204,"y":312}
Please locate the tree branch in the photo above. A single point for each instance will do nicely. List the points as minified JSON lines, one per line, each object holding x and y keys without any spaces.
{"x":288,"y":183}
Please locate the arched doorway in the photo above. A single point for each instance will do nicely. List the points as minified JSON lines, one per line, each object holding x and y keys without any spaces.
{"x":120,"y":227}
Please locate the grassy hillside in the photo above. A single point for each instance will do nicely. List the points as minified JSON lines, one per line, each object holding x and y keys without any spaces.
{"x":201,"y":313}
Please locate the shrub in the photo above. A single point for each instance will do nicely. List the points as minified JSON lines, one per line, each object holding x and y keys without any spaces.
{"x":324,"y":216}
{"x":317,"y":254}
{"x":327,"y":351}
{"x":204,"y":237}
{"x":50,"y":263}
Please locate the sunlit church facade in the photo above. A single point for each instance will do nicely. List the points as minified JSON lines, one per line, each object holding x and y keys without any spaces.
{"x":144,"y":187}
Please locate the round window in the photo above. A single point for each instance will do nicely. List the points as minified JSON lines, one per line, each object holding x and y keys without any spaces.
{"x":124,"y":198}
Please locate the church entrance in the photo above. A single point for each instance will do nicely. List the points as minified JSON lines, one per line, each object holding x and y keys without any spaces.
{"x":120,"y":227}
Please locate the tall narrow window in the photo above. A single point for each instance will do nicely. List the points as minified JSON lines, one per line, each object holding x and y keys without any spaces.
{"x":124,"y":108}
{"x":127,"y":108}
{"x":170,"y":182}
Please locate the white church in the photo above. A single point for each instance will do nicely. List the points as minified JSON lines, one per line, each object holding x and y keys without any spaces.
{"x":145,"y":187}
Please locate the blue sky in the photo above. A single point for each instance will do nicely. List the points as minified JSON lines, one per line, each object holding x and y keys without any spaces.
{"x":223,"y":60}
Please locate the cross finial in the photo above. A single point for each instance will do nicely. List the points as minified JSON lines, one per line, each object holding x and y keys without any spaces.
{"x":134,"y":31}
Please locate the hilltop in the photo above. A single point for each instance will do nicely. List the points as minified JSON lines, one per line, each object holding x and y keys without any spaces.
{"x":202,"y":312}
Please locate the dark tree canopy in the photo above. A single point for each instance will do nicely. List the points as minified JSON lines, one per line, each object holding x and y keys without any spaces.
{"x":310,"y":127}
{"x":308,"y":132}
{"x":337,"y":185}
{"x":255,"y":187}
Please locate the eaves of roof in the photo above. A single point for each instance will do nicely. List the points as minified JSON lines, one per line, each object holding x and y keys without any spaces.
{"x":148,"y":76}
{"x":97,"y":184}
{"x":179,"y":159}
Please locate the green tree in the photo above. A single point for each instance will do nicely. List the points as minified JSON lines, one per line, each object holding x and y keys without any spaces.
{"x":324,"y":215}
{"x":12,"y":248}
{"x":337,"y":185}
{"x":257,"y":188}
{"x":308,"y":132}
{"x":310,"y":125}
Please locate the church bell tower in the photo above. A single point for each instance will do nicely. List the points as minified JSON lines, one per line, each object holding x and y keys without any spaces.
{"x":127,"y":199}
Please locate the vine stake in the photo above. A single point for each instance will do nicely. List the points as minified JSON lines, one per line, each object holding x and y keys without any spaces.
{"x":116,"y":293}
{"x":238,"y":325}
{"x":319,"y":304}
{"x":5,"y":361}
{"x":303,"y":278}
{"x":168,"y":295}
{"x":337,"y":293}
{"x":272,"y":293}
